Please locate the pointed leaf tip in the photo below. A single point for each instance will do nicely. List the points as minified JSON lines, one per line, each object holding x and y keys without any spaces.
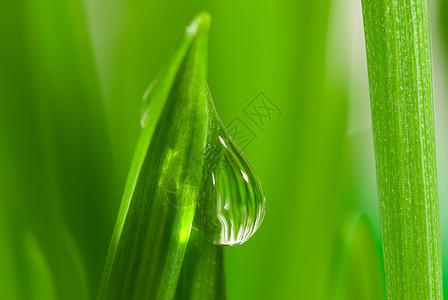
{"x":200,"y":24}
{"x":158,"y":200}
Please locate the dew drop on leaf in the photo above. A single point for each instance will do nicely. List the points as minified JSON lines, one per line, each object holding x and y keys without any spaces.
{"x":231,"y":203}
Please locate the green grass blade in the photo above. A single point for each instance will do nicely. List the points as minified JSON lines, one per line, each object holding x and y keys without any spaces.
{"x":400,"y":78}
{"x":155,"y":218}
{"x":202,"y":275}
{"x":440,"y":14}
{"x":56,"y":146}
{"x":356,"y":271}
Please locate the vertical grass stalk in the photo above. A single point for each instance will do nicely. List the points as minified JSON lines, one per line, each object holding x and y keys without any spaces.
{"x":401,"y":92}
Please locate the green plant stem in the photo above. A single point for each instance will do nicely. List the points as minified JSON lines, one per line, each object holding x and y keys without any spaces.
{"x":401,"y":93}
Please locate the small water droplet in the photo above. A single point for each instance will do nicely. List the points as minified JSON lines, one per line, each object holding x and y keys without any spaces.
{"x":144,"y":109}
{"x":231,"y":203}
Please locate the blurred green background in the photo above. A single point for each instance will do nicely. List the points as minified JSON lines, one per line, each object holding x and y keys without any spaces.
{"x":72,"y":76}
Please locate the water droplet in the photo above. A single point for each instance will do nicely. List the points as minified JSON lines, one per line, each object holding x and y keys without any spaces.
{"x":231,"y":203}
{"x":144,"y":108}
